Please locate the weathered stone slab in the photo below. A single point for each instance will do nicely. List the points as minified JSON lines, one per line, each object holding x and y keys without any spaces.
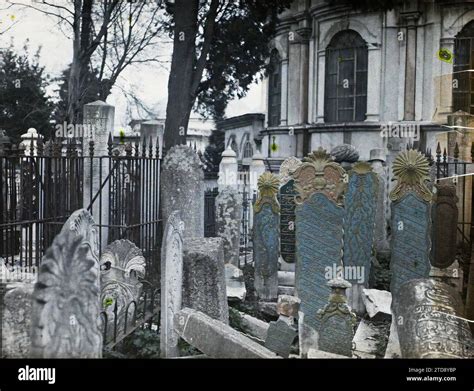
{"x":288,"y":305}
{"x":204,"y":284}
{"x":365,"y":340}
{"x":253,"y":326}
{"x":286,"y":290}
{"x":66,"y":298}
{"x":452,"y":275}
{"x":15,"y":320}
{"x":444,"y":216}
{"x":377,"y":303}
{"x":393,"y":345}
{"x":216,"y":339}
{"x":315,"y":353}
{"x":235,"y":284}
{"x":266,"y":232}
{"x":122,"y":265}
{"x":411,"y":229}
{"x":359,"y":223}
{"x":429,"y":321}
{"x":336,"y":329}
{"x":228,"y":220}
{"x":171,"y":283}
{"x":280,"y":337}
{"x":182,"y":189}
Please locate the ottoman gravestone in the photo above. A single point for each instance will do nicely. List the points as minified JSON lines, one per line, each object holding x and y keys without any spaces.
{"x":319,"y":237}
{"x":228,"y":220}
{"x":282,"y":333}
{"x":122,"y":266}
{"x":204,"y":283}
{"x":428,"y":315}
{"x":286,"y":198}
{"x":66,"y":297}
{"x":182,"y":189}
{"x":171,"y":283}
{"x":336,"y":329}
{"x":266,"y":237}
{"x":444,"y":218}
{"x":359,"y":222}
{"x":411,"y":228}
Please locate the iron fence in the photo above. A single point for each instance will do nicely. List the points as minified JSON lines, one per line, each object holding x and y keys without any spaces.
{"x":43,"y":184}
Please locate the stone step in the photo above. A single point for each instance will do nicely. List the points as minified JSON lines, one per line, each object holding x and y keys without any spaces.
{"x":286,"y":290}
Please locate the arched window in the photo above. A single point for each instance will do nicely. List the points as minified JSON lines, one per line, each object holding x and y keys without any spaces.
{"x":463,"y":81}
{"x":248,"y":150}
{"x":345,"y":95}
{"x":233,"y":144}
{"x":274,"y":89}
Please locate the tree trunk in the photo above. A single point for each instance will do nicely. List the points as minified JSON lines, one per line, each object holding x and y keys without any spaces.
{"x":180,"y":98}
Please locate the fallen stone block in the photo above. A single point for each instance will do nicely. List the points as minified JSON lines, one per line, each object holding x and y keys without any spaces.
{"x":268,"y":308}
{"x":216,"y":339}
{"x":393,"y":346}
{"x":377,"y":303}
{"x":253,"y":326}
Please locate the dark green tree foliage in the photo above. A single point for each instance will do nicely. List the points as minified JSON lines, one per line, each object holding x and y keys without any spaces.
{"x":92,"y":92}
{"x":219,"y":49}
{"x":212,"y":155}
{"x":23,"y":100}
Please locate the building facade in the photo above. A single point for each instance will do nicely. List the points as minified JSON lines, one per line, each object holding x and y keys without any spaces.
{"x":370,"y":79}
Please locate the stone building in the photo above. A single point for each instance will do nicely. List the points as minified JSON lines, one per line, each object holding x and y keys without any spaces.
{"x":370,"y":79}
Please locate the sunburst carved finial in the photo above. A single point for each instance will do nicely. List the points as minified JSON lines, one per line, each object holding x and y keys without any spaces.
{"x":268,"y":185}
{"x":411,"y":170}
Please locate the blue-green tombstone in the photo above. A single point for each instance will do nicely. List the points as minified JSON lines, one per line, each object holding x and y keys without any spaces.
{"x":266,"y":236}
{"x":360,"y":206}
{"x":411,"y":215}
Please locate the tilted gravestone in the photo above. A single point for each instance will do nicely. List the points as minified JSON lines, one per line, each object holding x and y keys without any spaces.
{"x":319,"y":237}
{"x":337,"y":321}
{"x":411,"y":231}
{"x":171,"y":283}
{"x":360,"y":205}
{"x":122,"y":266}
{"x":228,"y":220}
{"x":428,"y":315}
{"x":204,"y":285}
{"x":282,"y":333}
{"x":182,"y":189}
{"x":266,"y":232}
{"x":445,"y":221}
{"x":286,"y":198}
{"x":66,"y":297}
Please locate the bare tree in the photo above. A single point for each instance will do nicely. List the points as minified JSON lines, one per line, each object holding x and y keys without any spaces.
{"x":108,"y":36}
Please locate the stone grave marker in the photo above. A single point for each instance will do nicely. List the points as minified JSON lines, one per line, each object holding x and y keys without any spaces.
{"x":66,"y":298}
{"x":411,"y":229}
{"x":171,"y":283}
{"x":319,"y":237}
{"x":266,"y":227}
{"x":286,"y":198}
{"x":445,"y":221}
{"x":359,"y":223}
{"x":204,"y":284}
{"x":282,"y":333}
{"x":429,"y":319}
{"x":122,"y":266}
{"x":228,"y":220}
{"x":182,"y":189}
{"x":337,"y":321}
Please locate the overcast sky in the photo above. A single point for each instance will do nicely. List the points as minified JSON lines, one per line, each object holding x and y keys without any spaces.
{"x":148,"y":82}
